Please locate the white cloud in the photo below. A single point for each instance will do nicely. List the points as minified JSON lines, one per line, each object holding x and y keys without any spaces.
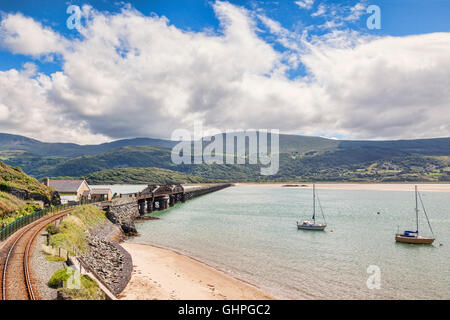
{"x":338,"y":15}
{"x":320,"y":11}
{"x":356,"y":12}
{"x":25,"y":109}
{"x":23,"y":35}
{"x":386,"y":88}
{"x":132,"y":75}
{"x":305,"y":4}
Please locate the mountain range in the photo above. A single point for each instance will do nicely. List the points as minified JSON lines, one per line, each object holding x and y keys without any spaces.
{"x":302,"y":158}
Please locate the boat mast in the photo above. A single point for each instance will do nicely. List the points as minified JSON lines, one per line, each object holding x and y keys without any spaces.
{"x":417,"y":212}
{"x":314,"y":203}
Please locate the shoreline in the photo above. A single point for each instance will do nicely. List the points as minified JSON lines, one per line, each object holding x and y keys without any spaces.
{"x":425,"y":187}
{"x":164,"y":274}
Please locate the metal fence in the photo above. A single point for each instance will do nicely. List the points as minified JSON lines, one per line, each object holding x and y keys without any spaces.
{"x":5,"y":232}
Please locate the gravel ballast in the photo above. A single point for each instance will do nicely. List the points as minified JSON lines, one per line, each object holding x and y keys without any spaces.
{"x":42,"y":269}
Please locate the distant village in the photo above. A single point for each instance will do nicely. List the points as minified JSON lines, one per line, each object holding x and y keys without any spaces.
{"x":73,"y":190}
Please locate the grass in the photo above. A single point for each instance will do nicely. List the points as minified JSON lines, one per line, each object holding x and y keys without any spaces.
{"x":14,"y":177}
{"x":88,"y":288}
{"x":9,"y":204}
{"x":73,"y":229}
{"x":58,"y":277}
{"x":13,"y":208}
{"x":72,"y":232}
{"x":55,"y":258}
{"x":52,"y":229}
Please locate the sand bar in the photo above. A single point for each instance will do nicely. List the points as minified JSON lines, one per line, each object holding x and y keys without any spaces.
{"x":166,"y":275}
{"x":430,"y":187}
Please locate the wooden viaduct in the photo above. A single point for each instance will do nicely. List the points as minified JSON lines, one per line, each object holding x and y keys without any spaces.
{"x":161,"y":197}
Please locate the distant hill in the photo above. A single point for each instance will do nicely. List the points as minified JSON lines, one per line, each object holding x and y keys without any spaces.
{"x":301,"y":158}
{"x":142,"y":176}
{"x":288,"y":144}
{"x":15,"y":142}
{"x":436,"y":146}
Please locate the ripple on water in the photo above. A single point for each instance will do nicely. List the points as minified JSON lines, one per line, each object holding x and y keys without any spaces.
{"x":250,"y":232}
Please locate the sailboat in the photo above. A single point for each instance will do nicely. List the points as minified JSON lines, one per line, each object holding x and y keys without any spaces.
{"x":312,"y":225}
{"x":413,"y":237}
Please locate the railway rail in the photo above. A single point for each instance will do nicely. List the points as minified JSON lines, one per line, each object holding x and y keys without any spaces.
{"x":15,"y":275}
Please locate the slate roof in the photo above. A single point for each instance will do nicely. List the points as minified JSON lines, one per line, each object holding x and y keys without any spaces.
{"x":66,"y":186}
{"x":100,"y":191}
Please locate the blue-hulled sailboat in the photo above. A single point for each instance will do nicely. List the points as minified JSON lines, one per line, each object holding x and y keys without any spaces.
{"x":311,"y":224}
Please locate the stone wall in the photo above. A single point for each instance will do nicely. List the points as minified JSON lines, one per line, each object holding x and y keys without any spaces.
{"x":106,"y":259}
{"x":122,"y":213}
{"x":109,"y":262}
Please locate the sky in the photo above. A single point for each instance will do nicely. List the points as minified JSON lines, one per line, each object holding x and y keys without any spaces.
{"x":147,"y":68}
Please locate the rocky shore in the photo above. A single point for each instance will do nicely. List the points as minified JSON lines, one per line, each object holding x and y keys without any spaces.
{"x":122,"y":213}
{"x":110,"y":262}
{"x":107,"y":259}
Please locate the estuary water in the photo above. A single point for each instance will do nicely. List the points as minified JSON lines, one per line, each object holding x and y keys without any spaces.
{"x":250,"y":232}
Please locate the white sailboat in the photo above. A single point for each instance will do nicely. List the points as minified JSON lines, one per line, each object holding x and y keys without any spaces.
{"x":311,"y":224}
{"x":413,"y":237}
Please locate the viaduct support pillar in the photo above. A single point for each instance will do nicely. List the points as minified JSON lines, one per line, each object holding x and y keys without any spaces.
{"x":149,"y":205}
{"x":141,"y":206}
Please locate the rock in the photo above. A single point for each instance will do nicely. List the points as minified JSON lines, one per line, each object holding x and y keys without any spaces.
{"x":61,"y":295}
{"x":122,"y":212}
{"x":128,"y":227}
{"x":110,"y":262}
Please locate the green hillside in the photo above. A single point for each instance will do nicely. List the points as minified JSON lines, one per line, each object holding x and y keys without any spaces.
{"x":9,"y":204}
{"x":17,"y":189}
{"x":14,"y":178}
{"x":142,"y":176}
{"x":16,"y":142}
{"x":301,"y":158}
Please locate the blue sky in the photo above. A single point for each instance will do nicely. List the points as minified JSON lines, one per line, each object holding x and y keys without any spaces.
{"x":301,"y":66}
{"x":399,"y":17}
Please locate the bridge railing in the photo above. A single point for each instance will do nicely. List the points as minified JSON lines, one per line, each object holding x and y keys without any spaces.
{"x":21,"y":222}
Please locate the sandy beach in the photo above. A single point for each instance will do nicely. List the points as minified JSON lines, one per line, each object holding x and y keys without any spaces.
{"x":166,"y":275}
{"x":430,"y":187}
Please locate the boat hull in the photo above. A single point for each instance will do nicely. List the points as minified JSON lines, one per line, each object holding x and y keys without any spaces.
{"x":413,"y":240}
{"x":313,"y":227}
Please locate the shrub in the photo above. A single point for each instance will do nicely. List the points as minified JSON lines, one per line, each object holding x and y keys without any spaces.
{"x":52,"y":229}
{"x":89,"y":289}
{"x":58,"y":277}
{"x":73,"y":229}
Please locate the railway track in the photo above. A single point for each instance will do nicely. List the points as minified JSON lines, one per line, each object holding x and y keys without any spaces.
{"x":15,"y":275}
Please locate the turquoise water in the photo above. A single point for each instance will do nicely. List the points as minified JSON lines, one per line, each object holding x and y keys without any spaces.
{"x":251,"y":233}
